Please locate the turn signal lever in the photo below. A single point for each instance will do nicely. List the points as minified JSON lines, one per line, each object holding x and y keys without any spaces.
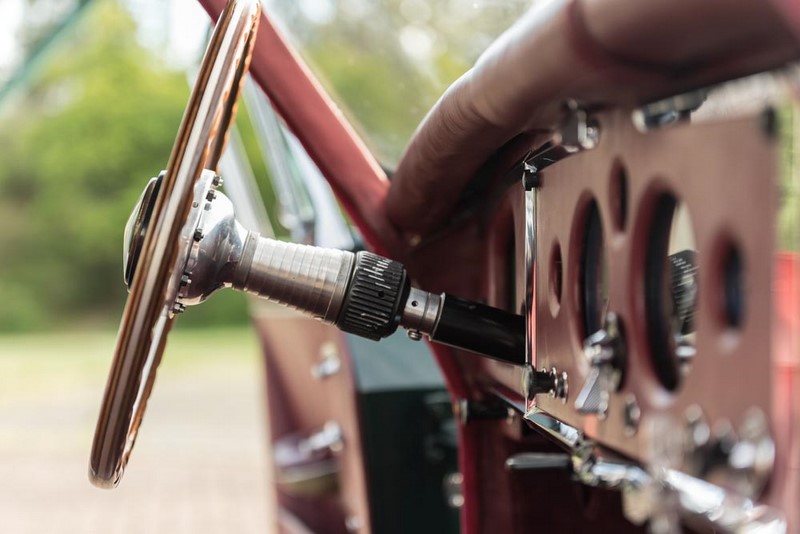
{"x":361,"y":293}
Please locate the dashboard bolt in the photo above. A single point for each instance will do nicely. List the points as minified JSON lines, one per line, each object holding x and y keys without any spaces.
{"x":217,"y":180}
{"x":632,"y":414}
{"x":414,"y":335}
{"x":198,"y":234}
{"x":211,"y":195}
{"x":178,"y":308}
{"x":560,"y":385}
{"x":185,"y":280}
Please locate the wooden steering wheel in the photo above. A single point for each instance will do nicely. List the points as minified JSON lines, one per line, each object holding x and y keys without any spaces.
{"x":156,"y":244}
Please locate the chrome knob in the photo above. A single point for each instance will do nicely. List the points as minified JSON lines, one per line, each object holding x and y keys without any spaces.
{"x":605,"y":351}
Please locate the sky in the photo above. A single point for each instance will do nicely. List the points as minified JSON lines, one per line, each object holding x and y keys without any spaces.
{"x":10,"y":18}
{"x":177,"y":32}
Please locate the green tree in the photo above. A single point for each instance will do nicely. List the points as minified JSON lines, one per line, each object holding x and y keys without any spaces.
{"x":95,"y":123}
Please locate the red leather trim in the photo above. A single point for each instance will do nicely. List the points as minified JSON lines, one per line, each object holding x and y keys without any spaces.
{"x":604,"y":52}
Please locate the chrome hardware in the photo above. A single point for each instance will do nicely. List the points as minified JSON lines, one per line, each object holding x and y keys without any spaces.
{"x":560,"y":385}
{"x":537,"y":461}
{"x":668,"y":111}
{"x":605,"y":352}
{"x":453,"y":490}
{"x":739,"y":460}
{"x":552,"y":382}
{"x":421,"y":313}
{"x":665,"y":494}
{"x":536,"y":382}
{"x":209,"y":242}
{"x":576,"y":133}
{"x":307,"y":465}
{"x":362,"y":293}
{"x":329,"y":363}
{"x":217,"y":243}
{"x":216,"y":251}
{"x":328,"y":438}
{"x":309,"y":279}
{"x":530,"y":258}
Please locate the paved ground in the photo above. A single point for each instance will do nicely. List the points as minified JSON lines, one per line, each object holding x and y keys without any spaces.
{"x":199,"y":464}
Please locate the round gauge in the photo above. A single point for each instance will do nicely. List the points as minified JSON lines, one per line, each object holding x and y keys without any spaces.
{"x":594,"y":273}
{"x":671,"y":291}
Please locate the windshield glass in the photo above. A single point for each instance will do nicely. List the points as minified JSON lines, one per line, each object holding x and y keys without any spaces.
{"x":386,"y":62}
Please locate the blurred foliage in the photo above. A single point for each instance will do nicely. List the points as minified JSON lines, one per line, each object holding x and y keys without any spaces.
{"x":387,"y":61}
{"x":95,"y":123}
{"x":99,"y":113}
{"x":789,"y":199}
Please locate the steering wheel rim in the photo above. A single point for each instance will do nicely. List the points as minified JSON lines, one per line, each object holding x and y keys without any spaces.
{"x":148,"y":315}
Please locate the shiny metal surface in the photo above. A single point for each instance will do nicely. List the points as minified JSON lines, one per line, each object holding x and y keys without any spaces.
{"x":604,"y":351}
{"x":212,"y":242}
{"x":421,"y":312}
{"x":658,"y":493}
{"x":147,"y":317}
{"x":537,"y":461}
{"x":217,"y":251}
{"x":329,"y":362}
{"x":575,"y":134}
{"x":530,"y":259}
{"x":309,"y":279}
{"x":307,"y":465}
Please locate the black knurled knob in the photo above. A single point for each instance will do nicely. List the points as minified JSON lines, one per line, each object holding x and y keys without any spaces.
{"x":375,"y":297}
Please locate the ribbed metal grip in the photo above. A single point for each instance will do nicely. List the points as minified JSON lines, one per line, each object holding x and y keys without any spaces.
{"x":310,"y":279}
{"x":374,"y":301}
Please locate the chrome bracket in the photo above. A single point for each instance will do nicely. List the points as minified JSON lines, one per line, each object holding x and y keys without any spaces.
{"x":659,"y":494}
{"x":576,"y":133}
{"x":605,"y":353}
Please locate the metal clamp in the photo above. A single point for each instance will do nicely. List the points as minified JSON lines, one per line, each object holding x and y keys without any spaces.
{"x":576,"y":133}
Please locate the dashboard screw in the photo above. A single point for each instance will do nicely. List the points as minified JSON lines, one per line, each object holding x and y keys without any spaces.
{"x":560,"y":385}
{"x":211,"y":195}
{"x":631,"y":414}
{"x":217,"y":180}
{"x":198,"y":234}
